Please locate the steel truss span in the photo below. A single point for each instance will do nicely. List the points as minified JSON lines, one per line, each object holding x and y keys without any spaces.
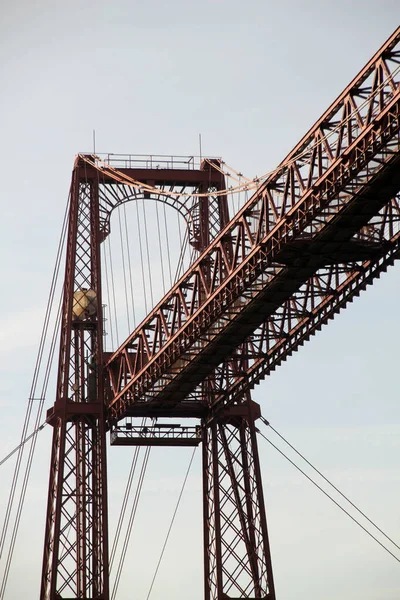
{"x":317,"y":210}
{"x":319,"y":229}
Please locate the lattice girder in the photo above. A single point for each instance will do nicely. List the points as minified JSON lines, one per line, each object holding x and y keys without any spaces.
{"x":317,"y":301}
{"x":347,"y":178}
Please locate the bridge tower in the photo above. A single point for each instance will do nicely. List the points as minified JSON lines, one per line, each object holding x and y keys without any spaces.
{"x":237,"y":561}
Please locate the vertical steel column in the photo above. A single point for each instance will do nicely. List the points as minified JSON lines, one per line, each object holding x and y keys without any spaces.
{"x":237,"y":560}
{"x":75,"y":560}
{"x":236,"y":547}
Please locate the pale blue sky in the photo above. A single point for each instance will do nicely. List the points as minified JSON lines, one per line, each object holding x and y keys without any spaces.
{"x":252,"y":78}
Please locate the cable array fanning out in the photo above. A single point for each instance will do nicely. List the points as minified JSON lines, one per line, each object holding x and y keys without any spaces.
{"x":326,"y":493}
{"x":40,"y":378}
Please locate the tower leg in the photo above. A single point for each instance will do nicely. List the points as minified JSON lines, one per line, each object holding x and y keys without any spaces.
{"x":74,"y":564}
{"x":75,"y":559}
{"x":236,"y":548}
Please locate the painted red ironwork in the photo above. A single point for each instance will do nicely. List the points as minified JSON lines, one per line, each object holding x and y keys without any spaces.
{"x":312,"y":212}
{"x":237,"y":556}
{"x":322,"y":226}
{"x":75,"y":563}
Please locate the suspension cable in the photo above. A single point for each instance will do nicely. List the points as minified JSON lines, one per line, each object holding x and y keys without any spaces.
{"x":183,"y":245}
{"x":108,"y":298}
{"x":124,"y":270}
{"x":141,"y":257}
{"x":160,"y":249}
{"x":29,"y":462}
{"x":125,"y":501}
{"x":129,"y":266}
{"x":35,"y":378}
{"x":148,"y":253}
{"x":168,"y":251}
{"x":180,"y":231}
{"x":20,"y":507}
{"x":113,"y":290}
{"x":130,"y":523}
{"x":10,"y":454}
{"x":171,"y":523}
{"x":330,"y":483}
{"x":328,"y":496}
{"x":37,"y":427}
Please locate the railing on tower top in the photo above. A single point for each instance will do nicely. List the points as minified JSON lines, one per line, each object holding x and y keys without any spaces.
{"x":150,"y":161}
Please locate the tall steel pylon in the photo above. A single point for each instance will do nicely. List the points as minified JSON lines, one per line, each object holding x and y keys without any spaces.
{"x":75,"y":563}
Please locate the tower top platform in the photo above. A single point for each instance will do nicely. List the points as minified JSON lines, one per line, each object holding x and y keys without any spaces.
{"x":151,"y":161}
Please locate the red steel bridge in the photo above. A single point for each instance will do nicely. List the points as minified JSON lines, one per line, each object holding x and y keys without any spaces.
{"x":316,"y":232}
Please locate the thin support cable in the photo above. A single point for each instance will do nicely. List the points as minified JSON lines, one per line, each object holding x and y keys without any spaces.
{"x":130,"y":524}
{"x":113,"y":290}
{"x":185,"y":251}
{"x":15,"y":477}
{"x":179,"y":230}
{"x":124,"y":270}
{"x":129,"y":266}
{"x":180,"y":259}
{"x":160,"y":249}
{"x":35,"y":378}
{"x":33,"y":438}
{"x":21,"y":503}
{"x":148,"y":253}
{"x":108,"y":299}
{"x":183,"y":247}
{"x":10,"y":454}
{"x":168,"y":251}
{"x":330,"y":483}
{"x":171,"y":523}
{"x":329,"y":496}
{"x":141,"y":257}
{"x":125,"y":502}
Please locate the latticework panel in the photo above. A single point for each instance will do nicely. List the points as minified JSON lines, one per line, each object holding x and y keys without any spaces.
{"x":75,"y":563}
{"x":237,"y":557}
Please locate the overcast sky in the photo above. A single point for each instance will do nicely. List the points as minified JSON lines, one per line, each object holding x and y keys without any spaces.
{"x":251,"y":77}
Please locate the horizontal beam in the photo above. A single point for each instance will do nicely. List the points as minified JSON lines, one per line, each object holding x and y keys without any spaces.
{"x":155,"y":177}
{"x":156,"y":435}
